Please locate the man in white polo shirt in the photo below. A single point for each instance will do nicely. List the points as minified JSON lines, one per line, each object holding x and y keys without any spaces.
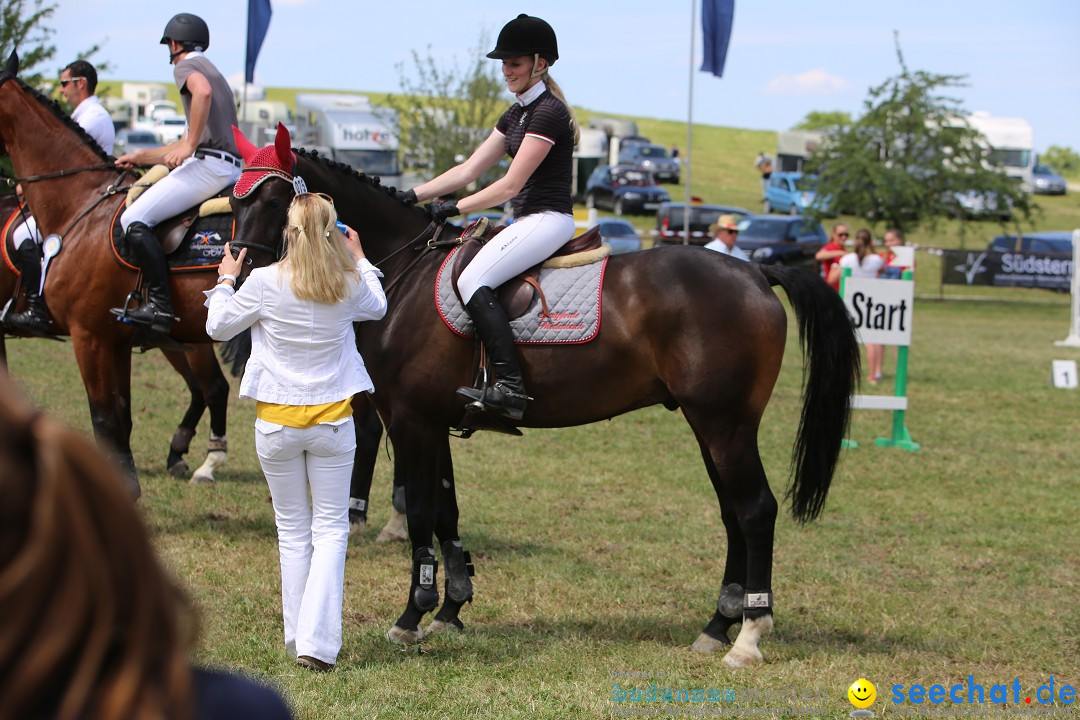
{"x":725,"y":232}
{"x":78,"y":83}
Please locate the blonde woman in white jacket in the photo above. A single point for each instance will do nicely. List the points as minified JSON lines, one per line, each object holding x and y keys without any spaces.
{"x":303,"y":372}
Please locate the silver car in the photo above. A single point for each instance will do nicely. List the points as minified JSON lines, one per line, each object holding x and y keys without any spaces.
{"x":1046,"y":181}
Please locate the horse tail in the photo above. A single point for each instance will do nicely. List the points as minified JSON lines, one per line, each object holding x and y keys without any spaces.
{"x":830,"y":375}
{"x":236,"y":352}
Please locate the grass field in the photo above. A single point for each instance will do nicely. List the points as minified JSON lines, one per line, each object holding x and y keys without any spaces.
{"x":599,"y":549}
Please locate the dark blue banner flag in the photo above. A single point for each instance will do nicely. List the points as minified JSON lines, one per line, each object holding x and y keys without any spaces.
{"x":258,"y":22}
{"x":717,"y":17}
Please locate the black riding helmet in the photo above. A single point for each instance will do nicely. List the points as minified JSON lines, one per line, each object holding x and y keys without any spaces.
{"x":188,"y":30}
{"x":526,"y":35}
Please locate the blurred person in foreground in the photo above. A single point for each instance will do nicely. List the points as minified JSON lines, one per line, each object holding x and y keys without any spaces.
{"x":93,"y":627}
{"x":303,"y":372}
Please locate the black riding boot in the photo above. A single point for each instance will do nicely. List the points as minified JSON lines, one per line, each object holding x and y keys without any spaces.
{"x":505,"y":396}
{"x":156,"y":308}
{"x":35,"y":319}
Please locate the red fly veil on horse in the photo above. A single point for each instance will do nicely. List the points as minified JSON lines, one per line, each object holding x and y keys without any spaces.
{"x":260,"y":163}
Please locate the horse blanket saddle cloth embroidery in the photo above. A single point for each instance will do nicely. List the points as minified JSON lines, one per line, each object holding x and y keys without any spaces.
{"x":573,"y":296}
{"x":199,"y":241}
{"x":7,"y":243}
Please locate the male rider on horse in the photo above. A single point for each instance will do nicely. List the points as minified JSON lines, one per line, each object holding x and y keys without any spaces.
{"x":78,"y":82}
{"x":203,"y":162}
{"x":539,"y":132}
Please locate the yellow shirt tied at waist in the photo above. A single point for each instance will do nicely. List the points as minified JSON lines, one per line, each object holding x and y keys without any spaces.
{"x":303,"y":416}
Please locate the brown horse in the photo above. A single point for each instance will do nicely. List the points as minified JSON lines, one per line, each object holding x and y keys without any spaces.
{"x":71,"y":184}
{"x":657,"y":345}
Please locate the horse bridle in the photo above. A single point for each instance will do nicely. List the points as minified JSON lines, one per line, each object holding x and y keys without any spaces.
{"x":299,"y":187}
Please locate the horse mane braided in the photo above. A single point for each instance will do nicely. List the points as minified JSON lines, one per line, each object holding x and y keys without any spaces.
{"x":63,"y":117}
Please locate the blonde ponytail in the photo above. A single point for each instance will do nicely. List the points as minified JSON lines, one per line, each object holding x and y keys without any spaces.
{"x":318,"y":263}
{"x":558,"y":93}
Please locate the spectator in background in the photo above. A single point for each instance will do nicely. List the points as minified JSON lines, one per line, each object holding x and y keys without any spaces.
{"x":764,"y":164}
{"x":93,"y":627}
{"x":831,"y":253}
{"x":725,"y":232}
{"x":894,"y":264}
{"x":864,"y":262}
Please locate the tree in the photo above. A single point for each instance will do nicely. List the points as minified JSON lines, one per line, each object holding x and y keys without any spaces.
{"x":817,"y":120}
{"x":913,"y":159}
{"x":445,"y":111}
{"x":1065,"y":160}
{"x":22,"y":28}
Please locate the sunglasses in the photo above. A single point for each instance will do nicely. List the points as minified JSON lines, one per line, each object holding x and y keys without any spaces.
{"x":64,"y":83}
{"x":843,"y":234}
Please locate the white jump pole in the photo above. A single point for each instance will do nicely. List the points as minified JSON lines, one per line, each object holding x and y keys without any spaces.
{"x":1073,"y":340}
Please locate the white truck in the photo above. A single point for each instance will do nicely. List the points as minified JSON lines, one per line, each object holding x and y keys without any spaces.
{"x":349,"y":129}
{"x":1011,"y":143}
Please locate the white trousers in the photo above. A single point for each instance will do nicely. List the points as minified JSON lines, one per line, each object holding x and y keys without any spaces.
{"x":26,"y":231}
{"x":527,"y":242}
{"x":195,"y":180}
{"x":312,"y":534}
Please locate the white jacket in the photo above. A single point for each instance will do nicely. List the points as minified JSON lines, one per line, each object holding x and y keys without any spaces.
{"x":302,"y":352}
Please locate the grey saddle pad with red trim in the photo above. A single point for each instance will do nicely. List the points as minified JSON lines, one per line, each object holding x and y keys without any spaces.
{"x":573,"y":297}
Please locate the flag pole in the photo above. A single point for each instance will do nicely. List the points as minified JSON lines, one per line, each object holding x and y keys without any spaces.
{"x":689,"y":128}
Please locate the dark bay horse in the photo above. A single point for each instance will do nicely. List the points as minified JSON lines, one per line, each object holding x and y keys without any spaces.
{"x":76,"y":199}
{"x":657,"y":345}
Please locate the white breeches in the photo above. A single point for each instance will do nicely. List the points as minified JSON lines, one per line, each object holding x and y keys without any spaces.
{"x":195,"y":180}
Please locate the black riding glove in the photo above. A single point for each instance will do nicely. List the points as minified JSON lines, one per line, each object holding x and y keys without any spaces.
{"x":406,"y":196}
{"x":441,"y":210}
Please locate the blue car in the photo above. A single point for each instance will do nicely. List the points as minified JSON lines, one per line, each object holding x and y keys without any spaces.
{"x":791,"y":193}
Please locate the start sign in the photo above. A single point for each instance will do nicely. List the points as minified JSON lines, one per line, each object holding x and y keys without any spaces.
{"x":880,"y":309}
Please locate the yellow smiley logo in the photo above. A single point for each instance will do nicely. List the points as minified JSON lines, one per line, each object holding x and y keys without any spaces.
{"x":862,"y":693}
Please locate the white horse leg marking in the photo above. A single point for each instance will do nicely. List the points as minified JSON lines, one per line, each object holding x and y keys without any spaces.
{"x":745,"y":651}
{"x":215,"y":458}
{"x":394,"y":530}
{"x":400,"y":636}
{"x":707,"y":644}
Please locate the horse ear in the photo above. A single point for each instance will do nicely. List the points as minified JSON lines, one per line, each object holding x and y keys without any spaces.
{"x":283,"y":145}
{"x":13,"y":63}
{"x":247,"y":150}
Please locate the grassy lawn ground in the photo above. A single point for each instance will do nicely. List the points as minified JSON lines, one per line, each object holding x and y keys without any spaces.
{"x":599,"y":549}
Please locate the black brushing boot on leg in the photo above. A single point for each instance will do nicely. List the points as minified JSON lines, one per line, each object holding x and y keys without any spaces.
{"x":506,"y":396}
{"x":35,"y":319}
{"x":156,"y":310}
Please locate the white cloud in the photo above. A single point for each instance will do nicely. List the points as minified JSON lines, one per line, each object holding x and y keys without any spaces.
{"x":811,"y":82}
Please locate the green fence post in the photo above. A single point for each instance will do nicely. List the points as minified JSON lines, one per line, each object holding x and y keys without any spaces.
{"x":901,"y":438}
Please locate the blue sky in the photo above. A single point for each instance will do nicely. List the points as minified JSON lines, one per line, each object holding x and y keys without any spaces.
{"x":631,"y":57}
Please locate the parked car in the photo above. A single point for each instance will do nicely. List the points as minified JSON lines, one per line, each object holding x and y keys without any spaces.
{"x":980,"y":206}
{"x":791,"y":192}
{"x":670,"y":221}
{"x":620,"y":235}
{"x":781,"y":239}
{"x":624,"y":189}
{"x":129,"y":140}
{"x":1046,"y":181}
{"x":1051,"y":243}
{"x":653,"y":158}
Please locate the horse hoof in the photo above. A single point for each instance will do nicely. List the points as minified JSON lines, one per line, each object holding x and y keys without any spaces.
{"x":201,"y":478}
{"x":401,"y":636}
{"x":707,"y":644}
{"x":739,"y":657}
{"x":179,"y":469}
{"x":356,"y":528}
{"x":391,"y":535}
{"x":441,"y":626}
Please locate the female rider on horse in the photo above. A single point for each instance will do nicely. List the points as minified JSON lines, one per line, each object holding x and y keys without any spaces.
{"x":539,"y":132}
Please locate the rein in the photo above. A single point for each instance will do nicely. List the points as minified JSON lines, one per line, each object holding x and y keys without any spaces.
{"x":11,"y":181}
